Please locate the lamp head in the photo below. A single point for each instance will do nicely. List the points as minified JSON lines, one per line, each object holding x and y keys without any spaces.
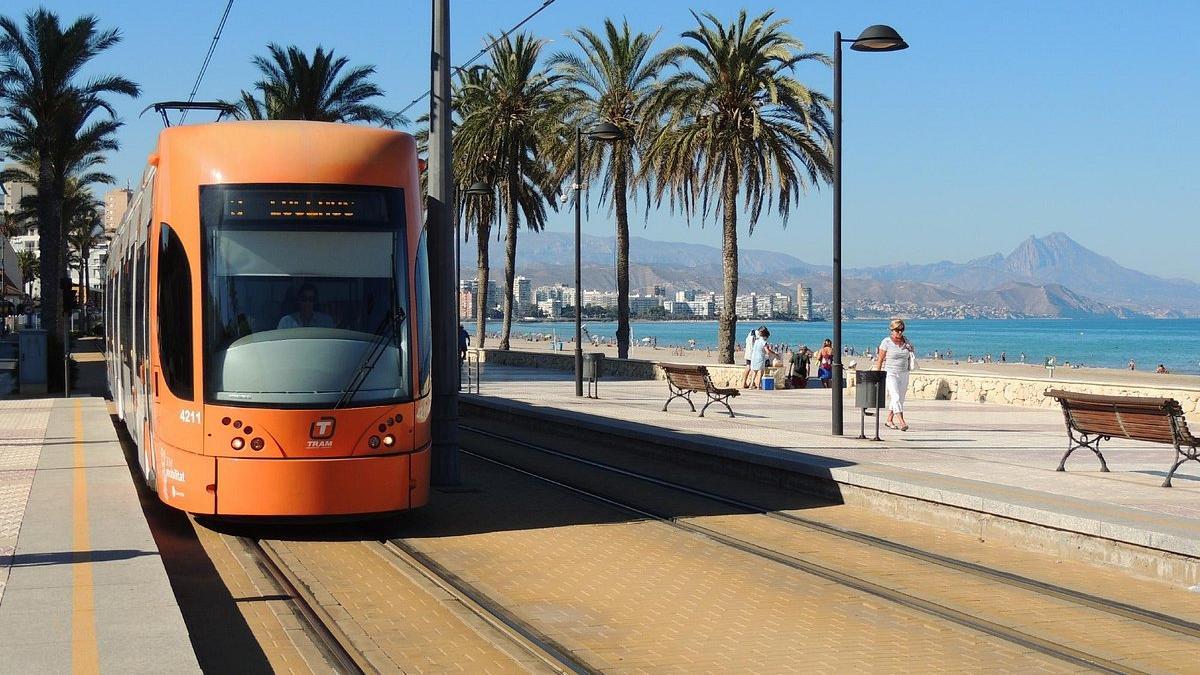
{"x":879,"y":38}
{"x":479,"y":189}
{"x":605,"y":131}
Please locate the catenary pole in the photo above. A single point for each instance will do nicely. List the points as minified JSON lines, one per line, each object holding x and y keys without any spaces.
{"x":578,"y":285}
{"x":837,"y":234}
{"x":440,"y":224}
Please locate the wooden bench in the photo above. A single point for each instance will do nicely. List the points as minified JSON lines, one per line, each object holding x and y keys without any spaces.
{"x":683,"y":380}
{"x":1092,"y":417}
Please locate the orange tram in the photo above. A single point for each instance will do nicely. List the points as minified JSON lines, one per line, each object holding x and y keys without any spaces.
{"x":267,"y":320}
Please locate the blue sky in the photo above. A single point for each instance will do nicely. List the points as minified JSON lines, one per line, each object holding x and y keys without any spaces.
{"x":1003,"y":119}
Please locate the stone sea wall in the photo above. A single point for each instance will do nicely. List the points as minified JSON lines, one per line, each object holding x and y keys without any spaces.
{"x":948,"y":385}
{"x":926,"y":383}
{"x":635,"y":369}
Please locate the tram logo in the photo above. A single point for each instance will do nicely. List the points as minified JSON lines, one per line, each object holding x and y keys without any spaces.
{"x":322,"y":429}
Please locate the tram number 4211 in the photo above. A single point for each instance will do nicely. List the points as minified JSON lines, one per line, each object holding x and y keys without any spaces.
{"x":189,"y":416}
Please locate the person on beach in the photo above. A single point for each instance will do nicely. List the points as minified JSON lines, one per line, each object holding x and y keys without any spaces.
{"x":760,"y":356}
{"x":895,"y":357}
{"x":751,"y":337}
{"x":464,"y":341}
{"x":1161,"y":369}
{"x":825,"y":364}
{"x":1132,"y":365}
{"x":800,"y":361}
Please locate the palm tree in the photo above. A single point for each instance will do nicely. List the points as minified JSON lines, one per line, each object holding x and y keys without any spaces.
{"x":736,"y":119}
{"x":10,"y":225}
{"x":295,"y":88}
{"x":471,"y":93}
{"x":613,"y":82}
{"x":86,"y":231}
{"x":519,"y":117}
{"x":30,"y":265}
{"x":47,"y":115}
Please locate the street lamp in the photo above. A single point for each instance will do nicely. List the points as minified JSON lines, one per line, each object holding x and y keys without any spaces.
{"x":877,"y":38}
{"x":602,"y":131}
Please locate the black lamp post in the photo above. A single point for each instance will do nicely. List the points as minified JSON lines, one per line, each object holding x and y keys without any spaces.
{"x":602,"y":131}
{"x":877,"y":38}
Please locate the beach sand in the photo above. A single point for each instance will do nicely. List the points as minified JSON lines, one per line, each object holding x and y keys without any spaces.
{"x":1101,"y":375}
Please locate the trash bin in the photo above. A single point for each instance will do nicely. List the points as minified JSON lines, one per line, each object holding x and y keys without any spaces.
{"x":593,"y":365}
{"x":869,"y":389}
{"x":768,"y":383}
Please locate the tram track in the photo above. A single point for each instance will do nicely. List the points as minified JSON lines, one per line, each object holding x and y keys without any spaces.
{"x":1156,"y":620}
{"x":321,"y":628}
{"x":340,"y":651}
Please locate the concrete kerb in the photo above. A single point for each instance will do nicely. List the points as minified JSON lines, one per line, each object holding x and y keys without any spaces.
{"x":1142,"y":543}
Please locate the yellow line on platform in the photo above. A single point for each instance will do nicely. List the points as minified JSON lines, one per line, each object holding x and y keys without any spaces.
{"x":85,"y":657}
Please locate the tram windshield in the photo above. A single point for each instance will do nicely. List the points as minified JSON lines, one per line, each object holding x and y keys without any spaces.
{"x":305,"y":295}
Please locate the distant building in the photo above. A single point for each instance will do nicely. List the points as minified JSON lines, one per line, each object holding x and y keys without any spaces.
{"x":685,"y":296}
{"x":13,"y":192}
{"x":551,"y":308}
{"x":639,"y":304}
{"x":116,"y":204}
{"x":660,"y":291}
{"x":689,"y":308}
{"x":804,"y":307}
{"x":606,"y":299}
{"x":522,"y":295}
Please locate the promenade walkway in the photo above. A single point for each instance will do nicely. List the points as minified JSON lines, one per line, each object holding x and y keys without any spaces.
{"x":82,"y":586}
{"x":987,"y":459}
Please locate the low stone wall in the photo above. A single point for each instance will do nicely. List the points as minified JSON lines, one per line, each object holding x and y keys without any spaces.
{"x":565,"y":360}
{"x":952,"y":385}
{"x":635,"y":369}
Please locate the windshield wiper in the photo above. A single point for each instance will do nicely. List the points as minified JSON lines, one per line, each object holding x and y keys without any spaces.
{"x":390,"y":325}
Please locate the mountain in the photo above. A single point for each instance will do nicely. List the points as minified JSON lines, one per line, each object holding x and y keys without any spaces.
{"x":1057,"y":259}
{"x":1051,"y":276}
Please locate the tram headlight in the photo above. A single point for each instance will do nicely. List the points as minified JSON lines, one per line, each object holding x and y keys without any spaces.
{"x":389,"y":440}
{"x":257,"y":444}
{"x":237,"y":443}
{"x":373,"y":442}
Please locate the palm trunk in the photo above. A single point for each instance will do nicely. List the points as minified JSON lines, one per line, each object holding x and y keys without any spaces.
{"x":727,"y":326}
{"x":49,"y":206}
{"x":482,"y":231}
{"x":510,"y":261}
{"x":620,"y":180}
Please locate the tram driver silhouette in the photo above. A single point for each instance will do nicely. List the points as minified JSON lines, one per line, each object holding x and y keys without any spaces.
{"x":307,"y":316}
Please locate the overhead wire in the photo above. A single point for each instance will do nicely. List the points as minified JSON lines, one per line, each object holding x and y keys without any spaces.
{"x":208,"y":57}
{"x":473,"y":59}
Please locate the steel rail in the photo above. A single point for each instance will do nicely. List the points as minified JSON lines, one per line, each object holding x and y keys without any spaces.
{"x":530,"y":639}
{"x":327,"y":637}
{"x":1047,"y":647}
{"x":1159,"y":619}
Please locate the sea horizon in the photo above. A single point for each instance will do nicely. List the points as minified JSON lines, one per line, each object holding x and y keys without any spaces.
{"x":1101,"y":343}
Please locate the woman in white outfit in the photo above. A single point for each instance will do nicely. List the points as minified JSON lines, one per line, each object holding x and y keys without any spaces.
{"x":895,"y":356}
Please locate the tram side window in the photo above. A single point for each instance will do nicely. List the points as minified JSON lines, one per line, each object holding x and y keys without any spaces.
{"x":175,"y":314}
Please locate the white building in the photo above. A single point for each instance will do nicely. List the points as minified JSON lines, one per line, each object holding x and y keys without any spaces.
{"x":804,"y":307}
{"x":522,"y":295}
{"x":551,"y":308}
{"x":641,"y":304}
{"x":606,"y":299}
{"x":689,"y":309}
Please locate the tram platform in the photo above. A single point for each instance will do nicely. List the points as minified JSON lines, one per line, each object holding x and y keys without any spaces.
{"x":82,"y":586}
{"x":986,"y":469}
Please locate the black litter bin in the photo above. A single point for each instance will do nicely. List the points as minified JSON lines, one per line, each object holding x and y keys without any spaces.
{"x":869,"y":389}
{"x":869,"y":392}
{"x":593,"y":369}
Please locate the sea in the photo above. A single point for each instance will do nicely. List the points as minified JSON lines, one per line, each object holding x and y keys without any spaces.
{"x":1099,"y":343}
